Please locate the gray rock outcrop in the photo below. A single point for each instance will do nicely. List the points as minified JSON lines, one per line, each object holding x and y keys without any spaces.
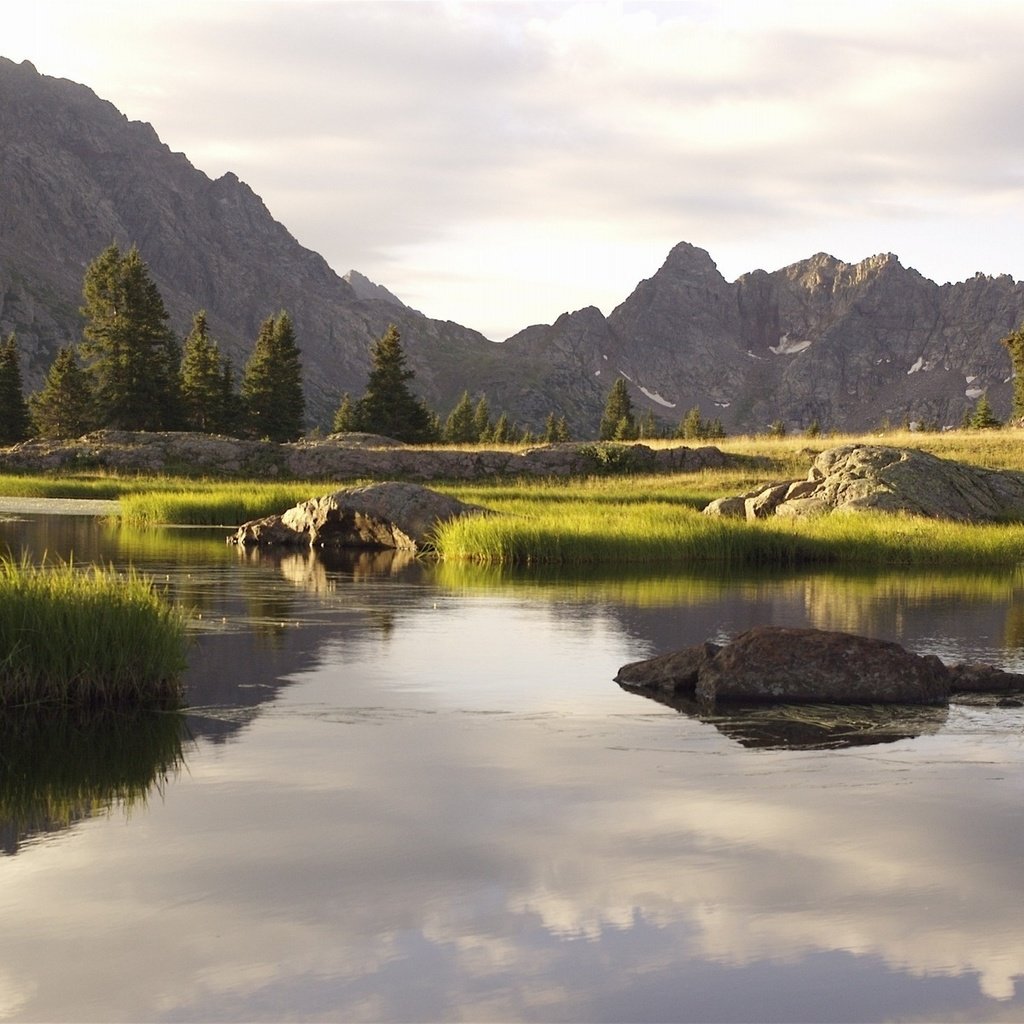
{"x":343,"y":456}
{"x":384,"y":515}
{"x":784,"y":665}
{"x":855,"y":477}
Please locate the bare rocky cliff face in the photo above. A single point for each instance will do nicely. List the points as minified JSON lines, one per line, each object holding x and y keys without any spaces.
{"x":846,"y":345}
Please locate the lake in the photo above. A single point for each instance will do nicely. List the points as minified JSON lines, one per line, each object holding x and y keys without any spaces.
{"x":409,"y":792}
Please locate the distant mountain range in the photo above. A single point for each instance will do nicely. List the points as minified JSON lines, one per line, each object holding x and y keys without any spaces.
{"x":846,"y":345}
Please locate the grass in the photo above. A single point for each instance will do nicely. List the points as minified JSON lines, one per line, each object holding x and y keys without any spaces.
{"x":86,"y":638}
{"x":215,"y":504}
{"x":647,"y":520}
{"x":659,"y":532}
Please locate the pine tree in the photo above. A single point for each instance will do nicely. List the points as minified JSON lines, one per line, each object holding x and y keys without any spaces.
{"x":14,"y":420}
{"x":272,"y":383}
{"x":503,"y":432}
{"x":1015,"y":343}
{"x":617,"y":423}
{"x":230,"y":404}
{"x":981,"y":418}
{"x":648,"y":426}
{"x":388,"y":407}
{"x":202,"y":380}
{"x":692,"y":425}
{"x":459,"y":427}
{"x":344,"y":416}
{"x":133,"y":357}
{"x":482,"y":420}
{"x":62,"y":407}
{"x":550,"y":428}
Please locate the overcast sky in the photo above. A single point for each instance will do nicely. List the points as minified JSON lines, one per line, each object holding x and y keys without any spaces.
{"x":500,"y":163}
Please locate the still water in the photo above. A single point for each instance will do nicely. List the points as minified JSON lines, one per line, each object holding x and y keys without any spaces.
{"x":407,"y":792}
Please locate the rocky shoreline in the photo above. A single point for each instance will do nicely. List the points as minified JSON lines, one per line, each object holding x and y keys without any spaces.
{"x":340,"y":456}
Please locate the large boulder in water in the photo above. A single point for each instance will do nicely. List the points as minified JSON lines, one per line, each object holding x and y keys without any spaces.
{"x":384,"y":515}
{"x":853,"y":477}
{"x":784,"y":665}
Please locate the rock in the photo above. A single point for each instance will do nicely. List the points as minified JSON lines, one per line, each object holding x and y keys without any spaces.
{"x":673,"y":674}
{"x":342,"y":456}
{"x":770,"y":663}
{"x":785,"y":665}
{"x":384,"y":515}
{"x":856,"y":477}
{"x":971,"y":677}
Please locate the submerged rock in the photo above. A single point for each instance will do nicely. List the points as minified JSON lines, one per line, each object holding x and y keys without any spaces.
{"x":782,"y":665}
{"x":854,"y":477}
{"x":384,"y":515}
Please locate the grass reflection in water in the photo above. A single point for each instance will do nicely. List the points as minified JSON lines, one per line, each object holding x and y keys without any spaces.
{"x":57,"y":768}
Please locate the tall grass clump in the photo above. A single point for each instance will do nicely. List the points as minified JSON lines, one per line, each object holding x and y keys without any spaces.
{"x":220,"y":505}
{"x":615,"y":528}
{"x":86,"y":638}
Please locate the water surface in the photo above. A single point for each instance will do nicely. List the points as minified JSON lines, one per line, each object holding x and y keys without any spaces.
{"x":410,"y":792}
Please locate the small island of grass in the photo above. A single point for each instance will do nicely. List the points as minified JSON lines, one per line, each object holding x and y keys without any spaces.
{"x":86,"y":639}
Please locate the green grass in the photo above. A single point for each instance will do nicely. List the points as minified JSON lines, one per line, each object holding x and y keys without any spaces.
{"x":625,"y":521}
{"x":647,"y":520}
{"x":86,"y":638}
{"x":215,"y":504}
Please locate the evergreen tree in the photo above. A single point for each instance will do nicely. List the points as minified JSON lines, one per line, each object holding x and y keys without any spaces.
{"x":62,"y":407}
{"x":388,"y":407}
{"x":344,"y":416}
{"x":230,"y":405}
{"x":459,"y":427}
{"x":14,"y":421}
{"x":133,"y":357}
{"x":272,"y":384}
{"x":648,"y":426}
{"x":617,"y":422}
{"x":482,"y":420}
{"x":692,"y":425}
{"x":503,"y":431}
{"x":981,"y":418}
{"x":1015,"y":343}
{"x":202,"y":380}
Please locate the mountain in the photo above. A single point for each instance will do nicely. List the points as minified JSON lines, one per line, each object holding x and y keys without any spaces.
{"x":847,"y":345}
{"x":78,"y":175}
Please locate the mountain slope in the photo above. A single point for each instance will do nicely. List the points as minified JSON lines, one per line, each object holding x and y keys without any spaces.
{"x":78,"y":175}
{"x":848,"y":345}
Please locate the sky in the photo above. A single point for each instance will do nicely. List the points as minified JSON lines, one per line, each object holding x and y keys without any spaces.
{"x":498,"y":164}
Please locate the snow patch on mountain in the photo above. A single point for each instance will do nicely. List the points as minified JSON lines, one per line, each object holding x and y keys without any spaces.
{"x":788,"y":347}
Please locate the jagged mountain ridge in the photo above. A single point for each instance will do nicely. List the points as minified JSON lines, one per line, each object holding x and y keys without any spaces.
{"x":846,"y":344}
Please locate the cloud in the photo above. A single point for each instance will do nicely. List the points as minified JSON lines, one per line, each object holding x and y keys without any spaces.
{"x":405,"y":138}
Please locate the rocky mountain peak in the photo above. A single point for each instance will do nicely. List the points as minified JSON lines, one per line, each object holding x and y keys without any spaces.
{"x":367,"y":289}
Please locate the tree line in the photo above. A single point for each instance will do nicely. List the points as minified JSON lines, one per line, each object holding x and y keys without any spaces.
{"x":129,"y":372}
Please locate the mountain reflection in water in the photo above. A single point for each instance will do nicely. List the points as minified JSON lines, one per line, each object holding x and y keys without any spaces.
{"x":409,"y":791}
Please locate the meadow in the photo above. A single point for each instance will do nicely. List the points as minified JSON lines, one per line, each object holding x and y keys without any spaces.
{"x":620,"y":519}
